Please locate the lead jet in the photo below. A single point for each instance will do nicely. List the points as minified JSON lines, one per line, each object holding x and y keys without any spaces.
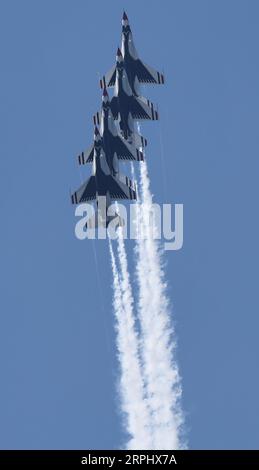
{"x":115,"y":146}
{"x":137,"y":71}
{"x":125,"y":106}
{"x":103,"y":184}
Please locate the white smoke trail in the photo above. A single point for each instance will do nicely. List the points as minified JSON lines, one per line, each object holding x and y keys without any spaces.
{"x":160,"y":369}
{"x":131,"y":383}
{"x":152,"y":409}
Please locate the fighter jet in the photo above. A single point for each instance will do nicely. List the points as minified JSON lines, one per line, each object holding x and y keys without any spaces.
{"x":116,"y":148}
{"x":103,"y":182}
{"x":125,"y":106}
{"x":137,"y":71}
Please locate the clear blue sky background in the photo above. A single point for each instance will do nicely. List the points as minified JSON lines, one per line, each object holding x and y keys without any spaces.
{"x":57,"y":356}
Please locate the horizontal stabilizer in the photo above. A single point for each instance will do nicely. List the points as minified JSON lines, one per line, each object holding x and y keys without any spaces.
{"x":87,"y":156}
{"x":129,"y":182}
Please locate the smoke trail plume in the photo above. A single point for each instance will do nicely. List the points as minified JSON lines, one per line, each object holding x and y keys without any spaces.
{"x":131,"y":387}
{"x":160,"y":370}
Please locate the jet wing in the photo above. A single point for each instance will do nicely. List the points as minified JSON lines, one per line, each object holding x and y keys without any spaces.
{"x":126,"y":180}
{"x":87,"y":156}
{"x":109,"y":79}
{"x":86,"y":192}
{"x":147,"y":74}
{"x":138,"y":140}
{"x":126,"y":151}
{"x":142,"y":109}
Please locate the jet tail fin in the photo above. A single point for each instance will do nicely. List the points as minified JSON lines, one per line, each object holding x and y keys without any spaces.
{"x":97,"y":221}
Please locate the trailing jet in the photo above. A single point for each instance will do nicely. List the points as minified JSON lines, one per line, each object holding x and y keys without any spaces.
{"x":103,"y":183}
{"x":115,"y":147}
{"x":125,"y":106}
{"x":137,"y":71}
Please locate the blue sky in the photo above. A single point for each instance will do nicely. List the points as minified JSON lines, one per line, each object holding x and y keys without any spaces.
{"x":57,"y":355}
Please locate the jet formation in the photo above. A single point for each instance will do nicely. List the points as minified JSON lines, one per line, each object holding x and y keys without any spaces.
{"x":115,"y":135}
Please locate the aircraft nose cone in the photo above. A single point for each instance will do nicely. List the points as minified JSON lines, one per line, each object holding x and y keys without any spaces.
{"x":125,"y":18}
